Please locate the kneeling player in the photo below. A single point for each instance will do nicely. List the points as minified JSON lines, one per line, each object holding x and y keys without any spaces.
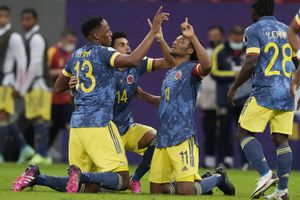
{"x":176,"y":156}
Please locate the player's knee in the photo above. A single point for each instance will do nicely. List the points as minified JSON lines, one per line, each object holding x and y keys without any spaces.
{"x":125,"y":180}
{"x":242,"y":133}
{"x":280,"y":139}
{"x":184,"y":190}
{"x":156,"y":188}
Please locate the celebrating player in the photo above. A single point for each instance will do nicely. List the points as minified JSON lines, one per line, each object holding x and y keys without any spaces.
{"x":95,"y":144}
{"x":176,"y":155}
{"x":269,"y":62}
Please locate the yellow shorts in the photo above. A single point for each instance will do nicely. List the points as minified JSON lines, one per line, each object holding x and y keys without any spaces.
{"x":132,"y":137}
{"x":177,"y":163}
{"x":7,"y":102}
{"x":255,"y":118}
{"x":38,"y":104}
{"x":97,"y":149}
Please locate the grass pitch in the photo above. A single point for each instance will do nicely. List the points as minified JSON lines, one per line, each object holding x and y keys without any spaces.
{"x":244,"y":182}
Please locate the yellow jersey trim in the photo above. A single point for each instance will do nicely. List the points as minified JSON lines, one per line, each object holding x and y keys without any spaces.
{"x":253,"y":50}
{"x":215,"y":70}
{"x":65,"y":73}
{"x":297,"y":18}
{"x":150,"y":65}
{"x":113,"y":59}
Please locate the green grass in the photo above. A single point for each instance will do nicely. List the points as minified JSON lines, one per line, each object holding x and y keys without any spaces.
{"x":243,"y":181}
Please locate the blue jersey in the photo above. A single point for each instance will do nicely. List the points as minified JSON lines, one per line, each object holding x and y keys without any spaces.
{"x":273,"y":73}
{"x":126,"y":83}
{"x":177,"y":105}
{"x":95,"y":89}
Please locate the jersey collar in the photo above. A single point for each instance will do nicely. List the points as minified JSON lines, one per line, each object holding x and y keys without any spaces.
{"x":32,"y":31}
{"x":5,"y":29}
{"x":267,"y":17}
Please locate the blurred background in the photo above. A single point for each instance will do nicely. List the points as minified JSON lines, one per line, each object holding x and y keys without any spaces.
{"x":215,"y":22}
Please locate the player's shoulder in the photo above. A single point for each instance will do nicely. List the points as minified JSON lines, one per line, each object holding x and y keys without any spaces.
{"x":253,"y":28}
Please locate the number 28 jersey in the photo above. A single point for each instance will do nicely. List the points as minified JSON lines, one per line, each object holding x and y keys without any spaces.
{"x":273,"y":73}
{"x":95,"y":89}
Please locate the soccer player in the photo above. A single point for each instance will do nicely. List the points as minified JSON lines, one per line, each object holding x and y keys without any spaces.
{"x":269,"y":62}
{"x":36,"y":85}
{"x":95,"y":143}
{"x":12,"y":51}
{"x":176,"y":154}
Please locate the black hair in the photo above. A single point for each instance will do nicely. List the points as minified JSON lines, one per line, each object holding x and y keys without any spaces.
{"x":117,"y":35}
{"x":30,"y":11}
{"x":263,"y":7}
{"x":5,"y":8}
{"x":237,"y":30}
{"x":216,"y":27}
{"x":68,"y":31}
{"x":90,"y":24}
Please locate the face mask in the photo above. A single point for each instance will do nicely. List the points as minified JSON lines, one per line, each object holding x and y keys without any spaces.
{"x":214,"y":44}
{"x":69,"y":47}
{"x":236,"y":45}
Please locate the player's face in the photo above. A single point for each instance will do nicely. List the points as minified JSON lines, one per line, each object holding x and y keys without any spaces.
{"x":215,"y":37}
{"x":28,"y":21}
{"x":4,"y":18}
{"x":122,"y":46}
{"x":69,"y":42}
{"x":105,"y":34}
{"x":181,"y":47}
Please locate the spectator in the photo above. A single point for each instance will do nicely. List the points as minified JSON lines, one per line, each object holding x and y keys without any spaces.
{"x":227,"y":60}
{"x":12,"y":51}
{"x":207,"y":101}
{"x":61,"y":103}
{"x":36,"y":85}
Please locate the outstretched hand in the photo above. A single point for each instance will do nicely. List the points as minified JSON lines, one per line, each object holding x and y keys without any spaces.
{"x":158,"y":19}
{"x":187,"y":29}
{"x":159,"y":36}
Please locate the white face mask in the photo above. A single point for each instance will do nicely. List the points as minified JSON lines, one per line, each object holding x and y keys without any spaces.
{"x":69,"y":47}
{"x":236,"y":45}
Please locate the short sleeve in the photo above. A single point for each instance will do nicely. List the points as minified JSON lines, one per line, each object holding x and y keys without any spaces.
{"x":145,"y":66}
{"x":67,"y":69}
{"x":251,"y":41}
{"x":297,"y":18}
{"x":109,"y":55}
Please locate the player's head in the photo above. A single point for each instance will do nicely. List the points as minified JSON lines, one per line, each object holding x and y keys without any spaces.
{"x":183,"y":47}
{"x":262,"y":8}
{"x":215,"y":35}
{"x":96,"y":29}
{"x":29,"y":18}
{"x":4,"y":15}
{"x":235,"y":38}
{"x":68,"y":40}
{"x":120,"y":43}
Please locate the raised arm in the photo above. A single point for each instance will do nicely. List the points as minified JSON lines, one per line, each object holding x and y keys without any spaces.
{"x":152,"y":99}
{"x":188,"y":31}
{"x":124,"y":60}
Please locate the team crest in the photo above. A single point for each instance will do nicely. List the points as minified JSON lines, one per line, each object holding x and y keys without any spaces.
{"x":178,"y":75}
{"x":130,"y":79}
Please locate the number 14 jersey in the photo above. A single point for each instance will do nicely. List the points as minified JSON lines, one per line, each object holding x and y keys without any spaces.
{"x":273,"y":73}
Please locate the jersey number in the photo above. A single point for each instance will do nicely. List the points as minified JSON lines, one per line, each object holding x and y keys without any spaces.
{"x":88,"y":75}
{"x":167,"y":94}
{"x":121,"y":96}
{"x":286,"y":58}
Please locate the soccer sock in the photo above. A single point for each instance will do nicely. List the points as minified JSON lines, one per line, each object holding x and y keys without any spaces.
{"x":255,"y":155}
{"x":207,"y":184}
{"x":284,"y":164}
{"x":144,"y":166}
{"x":3,"y":133}
{"x":41,"y":137}
{"x":108,"y":180}
{"x":17,"y":135}
{"x":56,"y":183}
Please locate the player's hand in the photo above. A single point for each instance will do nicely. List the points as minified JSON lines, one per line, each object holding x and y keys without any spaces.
{"x":230,"y":95}
{"x":72,"y":83}
{"x":187,"y":29}
{"x":159,"y":36}
{"x":138,"y":92}
{"x":298,"y":104}
{"x":158,"y":19}
{"x":294,"y":85}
